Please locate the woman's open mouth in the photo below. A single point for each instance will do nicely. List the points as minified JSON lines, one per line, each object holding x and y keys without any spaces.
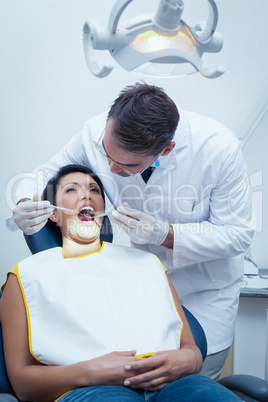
{"x":86,"y":214}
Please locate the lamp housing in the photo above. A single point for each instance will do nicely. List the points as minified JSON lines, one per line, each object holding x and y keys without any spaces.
{"x":161,"y":44}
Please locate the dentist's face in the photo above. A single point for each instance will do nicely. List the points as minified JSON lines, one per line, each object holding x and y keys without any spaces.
{"x":125,"y":163}
{"x":121,"y":162}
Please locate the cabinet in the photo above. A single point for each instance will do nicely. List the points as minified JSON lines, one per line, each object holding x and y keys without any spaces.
{"x":250,"y":341}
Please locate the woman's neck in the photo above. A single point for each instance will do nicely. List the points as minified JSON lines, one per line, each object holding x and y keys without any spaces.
{"x":71,"y":248}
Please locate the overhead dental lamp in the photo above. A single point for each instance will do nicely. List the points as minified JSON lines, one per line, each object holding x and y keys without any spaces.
{"x":160,"y":45}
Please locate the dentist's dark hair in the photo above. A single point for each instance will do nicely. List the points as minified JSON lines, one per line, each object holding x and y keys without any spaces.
{"x":144,"y":119}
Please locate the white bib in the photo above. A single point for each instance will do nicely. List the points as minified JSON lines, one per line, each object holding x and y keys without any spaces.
{"x":116,"y":299}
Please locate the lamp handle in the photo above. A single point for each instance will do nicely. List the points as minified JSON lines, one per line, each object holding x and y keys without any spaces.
{"x":93,"y":65}
{"x":212,"y":74}
{"x":204,"y":37}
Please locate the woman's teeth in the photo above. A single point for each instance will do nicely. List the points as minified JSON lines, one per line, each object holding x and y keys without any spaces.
{"x":87,"y":215}
{"x":87,"y":212}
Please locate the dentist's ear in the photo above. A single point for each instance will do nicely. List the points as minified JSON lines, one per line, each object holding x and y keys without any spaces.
{"x":169,"y":148}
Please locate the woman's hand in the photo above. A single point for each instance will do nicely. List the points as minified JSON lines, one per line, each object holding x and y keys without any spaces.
{"x":110,"y":369}
{"x":161,"y":369}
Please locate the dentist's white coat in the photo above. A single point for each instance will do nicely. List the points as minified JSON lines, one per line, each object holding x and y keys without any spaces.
{"x":203,"y":192}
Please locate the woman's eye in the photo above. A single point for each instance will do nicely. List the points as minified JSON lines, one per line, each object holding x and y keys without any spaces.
{"x":95,"y":189}
{"x":70,"y":189}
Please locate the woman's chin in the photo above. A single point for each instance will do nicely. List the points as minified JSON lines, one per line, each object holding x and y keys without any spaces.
{"x":88,"y":230}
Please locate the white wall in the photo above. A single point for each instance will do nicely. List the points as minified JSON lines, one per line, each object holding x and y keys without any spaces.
{"x":255,"y":152}
{"x":47,"y":92}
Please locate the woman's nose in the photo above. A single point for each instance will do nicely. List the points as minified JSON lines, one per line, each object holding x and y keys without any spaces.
{"x":86,"y":195}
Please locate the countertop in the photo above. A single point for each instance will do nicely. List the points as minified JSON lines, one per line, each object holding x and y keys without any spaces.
{"x":254,"y":286}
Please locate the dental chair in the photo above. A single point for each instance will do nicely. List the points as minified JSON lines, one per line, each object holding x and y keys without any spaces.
{"x":248,"y":388}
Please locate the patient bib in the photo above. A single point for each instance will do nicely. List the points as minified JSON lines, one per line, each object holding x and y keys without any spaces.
{"x":116,"y":299}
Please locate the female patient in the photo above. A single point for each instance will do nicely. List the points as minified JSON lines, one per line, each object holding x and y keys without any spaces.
{"x":93,"y":321}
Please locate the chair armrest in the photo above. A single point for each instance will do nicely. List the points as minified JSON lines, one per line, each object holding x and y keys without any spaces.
{"x":252,"y":386}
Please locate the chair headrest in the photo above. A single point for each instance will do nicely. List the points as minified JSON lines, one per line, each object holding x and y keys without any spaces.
{"x":50,"y":236}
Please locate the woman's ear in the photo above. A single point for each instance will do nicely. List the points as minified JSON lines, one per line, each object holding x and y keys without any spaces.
{"x":54,"y":217}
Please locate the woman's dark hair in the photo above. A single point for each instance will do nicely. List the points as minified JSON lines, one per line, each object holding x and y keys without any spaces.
{"x":51,"y":189}
{"x":144,"y":119}
{"x":50,"y":192}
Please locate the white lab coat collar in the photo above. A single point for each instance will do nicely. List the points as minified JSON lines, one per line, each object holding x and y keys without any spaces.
{"x":182,"y":134}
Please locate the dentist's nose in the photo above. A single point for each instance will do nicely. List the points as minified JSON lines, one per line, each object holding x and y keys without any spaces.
{"x":114,"y":168}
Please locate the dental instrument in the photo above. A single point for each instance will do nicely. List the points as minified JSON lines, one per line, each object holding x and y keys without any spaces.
{"x":103,"y":214}
{"x":64,"y":209}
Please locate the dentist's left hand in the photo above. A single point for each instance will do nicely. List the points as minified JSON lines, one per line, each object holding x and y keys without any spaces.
{"x":31,"y":215}
{"x":142,"y":228}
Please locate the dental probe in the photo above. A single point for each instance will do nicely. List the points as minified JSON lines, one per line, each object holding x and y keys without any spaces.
{"x":63,"y":209}
{"x":103,"y":214}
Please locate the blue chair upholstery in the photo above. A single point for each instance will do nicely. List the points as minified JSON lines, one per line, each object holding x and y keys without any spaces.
{"x":197,"y":331}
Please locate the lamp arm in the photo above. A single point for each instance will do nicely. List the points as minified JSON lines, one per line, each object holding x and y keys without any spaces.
{"x":88,"y":39}
{"x":212,"y":20}
{"x":204,"y":37}
{"x":115,"y":15}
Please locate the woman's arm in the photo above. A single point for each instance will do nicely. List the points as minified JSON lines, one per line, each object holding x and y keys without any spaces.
{"x":32,"y":380}
{"x":165,"y":367}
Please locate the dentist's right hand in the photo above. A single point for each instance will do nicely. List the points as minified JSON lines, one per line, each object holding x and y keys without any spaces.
{"x":31,"y":215}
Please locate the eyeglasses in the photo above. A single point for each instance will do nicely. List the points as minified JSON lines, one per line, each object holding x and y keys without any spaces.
{"x":100,"y":147}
